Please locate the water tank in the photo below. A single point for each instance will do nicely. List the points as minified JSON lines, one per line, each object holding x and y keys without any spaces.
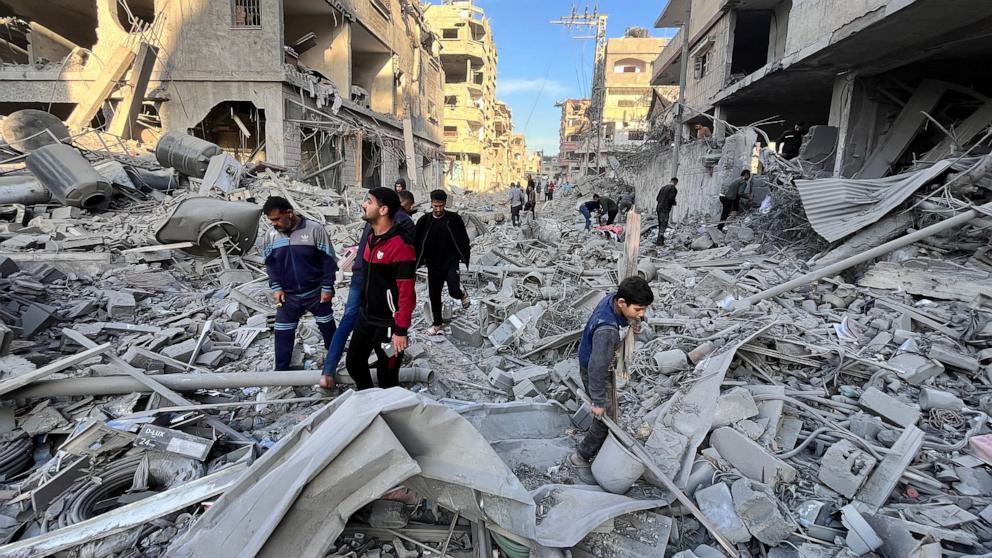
{"x":29,"y":129}
{"x":69,"y":177}
{"x":185,"y":153}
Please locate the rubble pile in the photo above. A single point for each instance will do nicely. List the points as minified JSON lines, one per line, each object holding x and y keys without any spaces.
{"x":847,"y":415}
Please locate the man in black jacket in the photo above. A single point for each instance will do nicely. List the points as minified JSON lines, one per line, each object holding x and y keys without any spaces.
{"x":442,"y":242}
{"x":666,"y":201}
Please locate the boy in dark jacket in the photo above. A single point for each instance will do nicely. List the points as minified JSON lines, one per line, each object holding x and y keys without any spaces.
{"x":388,"y":296}
{"x":301,"y":265}
{"x":442,"y":242}
{"x":598,"y":348}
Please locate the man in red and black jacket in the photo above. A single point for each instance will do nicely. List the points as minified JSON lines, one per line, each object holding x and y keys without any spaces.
{"x":388,"y":296}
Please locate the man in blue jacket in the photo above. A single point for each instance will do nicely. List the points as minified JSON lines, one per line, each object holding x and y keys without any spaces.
{"x":301,"y":266}
{"x":598,"y":348}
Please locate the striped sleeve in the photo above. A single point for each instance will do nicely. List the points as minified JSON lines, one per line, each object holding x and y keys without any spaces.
{"x":405,"y":264}
{"x":329,"y":261}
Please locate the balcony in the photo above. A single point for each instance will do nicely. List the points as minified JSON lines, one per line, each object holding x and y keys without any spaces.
{"x":461,"y":112}
{"x":470,"y":145}
{"x":665,"y":69}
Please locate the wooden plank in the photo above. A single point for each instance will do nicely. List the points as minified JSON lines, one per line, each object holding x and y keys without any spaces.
{"x":628,"y":268}
{"x":155,"y":385}
{"x":931,"y":281}
{"x":22,"y":380}
{"x":158,"y":247}
{"x":112,"y":73}
{"x":125,"y":120}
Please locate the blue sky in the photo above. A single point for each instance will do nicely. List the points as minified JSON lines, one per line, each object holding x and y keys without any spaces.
{"x":540,"y":63}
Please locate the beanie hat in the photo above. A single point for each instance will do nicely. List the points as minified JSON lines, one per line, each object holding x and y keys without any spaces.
{"x":386,"y":197}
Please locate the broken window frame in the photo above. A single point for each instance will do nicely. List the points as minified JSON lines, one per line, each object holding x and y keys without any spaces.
{"x":382,"y":8}
{"x":701,"y":58}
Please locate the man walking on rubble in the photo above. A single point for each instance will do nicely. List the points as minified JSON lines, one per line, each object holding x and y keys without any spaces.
{"x":731,"y":194}
{"x":586,"y":209}
{"x":336,"y":349}
{"x":442,"y":243}
{"x":666,"y":201}
{"x":301,"y":266}
{"x":598,"y":347}
{"x":516,"y":198}
{"x":531,"y":204}
{"x":388,"y":296}
{"x":626,"y":202}
{"x":549,"y":190}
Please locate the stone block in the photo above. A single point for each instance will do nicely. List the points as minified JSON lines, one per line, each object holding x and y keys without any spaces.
{"x":761,"y":512}
{"x":8,"y":267}
{"x":670,"y":361}
{"x":889,"y":408}
{"x":120,"y":304}
{"x":66,"y":213}
{"x":582,"y":418}
{"x":525,"y":389}
{"x":750,"y":458}
{"x":34,"y":320}
{"x":844,"y":468}
{"x":717,"y":504}
{"x":916,"y":369}
{"x":733,"y":406}
{"x":501,"y":379}
{"x":467,"y":331}
{"x":953,"y":358}
{"x":180,"y":351}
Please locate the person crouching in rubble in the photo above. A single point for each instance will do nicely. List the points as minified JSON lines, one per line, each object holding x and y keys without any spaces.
{"x":301,"y":265}
{"x":387,"y":296}
{"x":598,"y":348}
{"x":442,"y":243}
{"x":731,"y":194}
{"x":610,"y":208}
{"x":350,"y":316}
{"x":586,"y":209}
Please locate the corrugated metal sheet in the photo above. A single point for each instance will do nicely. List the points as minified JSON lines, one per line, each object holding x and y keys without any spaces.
{"x":837,"y":207}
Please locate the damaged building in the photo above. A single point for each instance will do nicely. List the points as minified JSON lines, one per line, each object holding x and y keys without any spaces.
{"x":347,"y":92}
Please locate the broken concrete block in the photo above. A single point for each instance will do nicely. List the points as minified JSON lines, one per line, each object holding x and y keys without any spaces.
{"x":916,"y":369}
{"x":845,"y":467}
{"x":733,"y":406}
{"x":875,"y":401}
{"x":953,"y":358}
{"x":706,"y":551}
{"x":120,"y":304}
{"x":981,"y":446}
{"x":670,"y":361}
{"x":936,"y":399}
{"x":760,"y":511}
{"x":524,"y":389}
{"x":582,"y":418}
{"x":501,"y":379}
{"x":717,"y":504}
{"x":47,"y":274}
{"x":6,"y":335}
{"x":750,"y":458}
{"x":467,"y":331}
{"x":66,"y":212}
{"x":8,"y":267}
{"x":180,"y":351}
{"x":704,"y":242}
{"x":861,"y":538}
{"x":34,"y":320}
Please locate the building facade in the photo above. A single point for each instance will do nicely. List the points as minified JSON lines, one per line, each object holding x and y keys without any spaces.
{"x":575,"y":139}
{"x":341,"y":92}
{"x":628,"y":92}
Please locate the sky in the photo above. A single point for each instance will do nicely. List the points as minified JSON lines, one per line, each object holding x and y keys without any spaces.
{"x":540,"y":63}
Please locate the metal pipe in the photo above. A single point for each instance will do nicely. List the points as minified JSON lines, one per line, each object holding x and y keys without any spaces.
{"x":875,"y":252}
{"x":22,"y":189}
{"x":120,"y":385}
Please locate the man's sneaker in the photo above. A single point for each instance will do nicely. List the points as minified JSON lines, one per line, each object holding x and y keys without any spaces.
{"x":576,"y":460}
{"x":435,"y":330}
{"x":466,"y":302}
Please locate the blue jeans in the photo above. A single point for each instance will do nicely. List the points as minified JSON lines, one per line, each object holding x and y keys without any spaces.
{"x":336,"y":348}
{"x":588,"y":215}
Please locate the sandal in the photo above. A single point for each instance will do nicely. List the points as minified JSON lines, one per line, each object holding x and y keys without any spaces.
{"x":435,"y":330}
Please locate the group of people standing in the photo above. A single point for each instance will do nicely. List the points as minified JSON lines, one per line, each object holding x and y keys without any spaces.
{"x":526,"y":200}
{"x":301,"y":267}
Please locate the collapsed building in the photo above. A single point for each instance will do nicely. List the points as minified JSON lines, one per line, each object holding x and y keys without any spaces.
{"x":346,"y":92}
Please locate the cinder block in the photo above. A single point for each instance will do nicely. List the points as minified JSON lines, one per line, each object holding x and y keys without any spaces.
{"x":525,"y":389}
{"x":8,"y":267}
{"x":844,"y":468}
{"x":889,"y":408}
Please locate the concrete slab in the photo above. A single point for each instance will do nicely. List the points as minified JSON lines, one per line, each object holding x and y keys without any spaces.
{"x":717,"y":504}
{"x":891,"y":409}
{"x":752,"y":460}
{"x":761,"y":512}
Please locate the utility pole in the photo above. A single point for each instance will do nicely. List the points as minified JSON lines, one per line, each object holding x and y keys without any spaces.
{"x":595,"y":113}
{"x":682,"y":79}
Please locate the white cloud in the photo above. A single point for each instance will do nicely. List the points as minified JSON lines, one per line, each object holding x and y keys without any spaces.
{"x":509,"y":86}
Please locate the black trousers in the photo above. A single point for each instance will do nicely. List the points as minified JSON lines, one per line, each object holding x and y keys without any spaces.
{"x":515,"y":215}
{"x":366,"y":339}
{"x":728,"y":206}
{"x":437,"y":276}
{"x":611,"y":216}
{"x":663,"y":216}
{"x":589,"y":446}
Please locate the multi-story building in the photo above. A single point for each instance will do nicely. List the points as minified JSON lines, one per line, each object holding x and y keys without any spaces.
{"x":499,"y":160}
{"x":341,"y":90}
{"x":575,"y":139}
{"x":628,"y":91}
{"x":853,"y":66}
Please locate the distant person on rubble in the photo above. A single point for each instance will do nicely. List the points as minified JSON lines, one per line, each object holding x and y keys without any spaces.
{"x":731,"y":194}
{"x":586,"y":209}
{"x":666,"y":201}
{"x":336,"y":350}
{"x":388,"y":296}
{"x":790,"y":142}
{"x":400,"y":185}
{"x":516,"y":198}
{"x":598,"y":347}
{"x":702,"y":131}
{"x":531,"y":204}
{"x":626,"y":202}
{"x":442,"y":243}
{"x":610,"y":208}
{"x":301,"y":266}
{"x":549,"y":191}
